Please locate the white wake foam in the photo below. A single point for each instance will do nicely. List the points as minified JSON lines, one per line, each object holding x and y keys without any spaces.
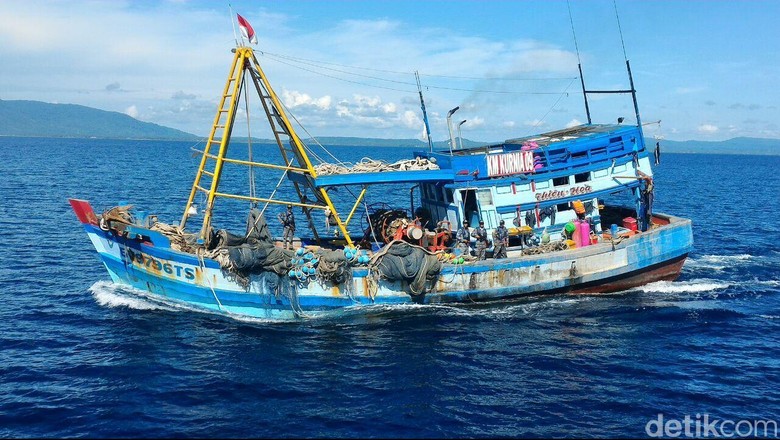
{"x":717,"y":262}
{"x":692,"y":286}
{"x":108,"y":294}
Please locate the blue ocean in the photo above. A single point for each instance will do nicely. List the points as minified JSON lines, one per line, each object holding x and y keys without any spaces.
{"x":82,"y":357}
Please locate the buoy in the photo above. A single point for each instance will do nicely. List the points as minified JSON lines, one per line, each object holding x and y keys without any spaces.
{"x":576,"y":237}
{"x":299,"y":252}
{"x":545,"y":236}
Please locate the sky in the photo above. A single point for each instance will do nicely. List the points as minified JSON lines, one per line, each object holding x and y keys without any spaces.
{"x":706,"y":70}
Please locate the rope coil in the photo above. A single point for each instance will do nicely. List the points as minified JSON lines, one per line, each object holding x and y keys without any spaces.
{"x":368,"y":165}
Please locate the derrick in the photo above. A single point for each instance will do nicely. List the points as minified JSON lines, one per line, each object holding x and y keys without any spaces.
{"x":246,"y":70}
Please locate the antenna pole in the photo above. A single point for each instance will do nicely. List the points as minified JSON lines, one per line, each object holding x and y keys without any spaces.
{"x":233,"y":23}
{"x":579,"y":63}
{"x":425,"y":115}
{"x":585,"y":93}
{"x":633,"y":95}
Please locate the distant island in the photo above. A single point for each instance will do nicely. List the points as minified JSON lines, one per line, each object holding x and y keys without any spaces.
{"x":41,"y":119}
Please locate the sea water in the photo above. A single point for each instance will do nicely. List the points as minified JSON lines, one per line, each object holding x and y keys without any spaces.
{"x":83,"y":357}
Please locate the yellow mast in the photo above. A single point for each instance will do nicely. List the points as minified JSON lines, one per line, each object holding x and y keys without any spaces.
{"x":244,"y":61}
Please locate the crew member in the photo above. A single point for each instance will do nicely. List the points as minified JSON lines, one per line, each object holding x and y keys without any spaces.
{"x":463,"y":238}
{"x":288,"y":221}
{"x":500,"y":241}
{"x":482,"y":240}
{"x":646,"y":204}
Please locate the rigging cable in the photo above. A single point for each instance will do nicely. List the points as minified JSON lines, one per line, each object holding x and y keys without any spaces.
{"x":565,"y":93}
{"x":253,"y":203}
{"x":620,"y":29}
{"x":323,"y":63}
{"x":574,"y":34}
{"x":403,"y":82}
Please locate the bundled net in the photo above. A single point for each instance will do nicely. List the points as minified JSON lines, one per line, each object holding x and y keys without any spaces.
{"x":400,"y":260}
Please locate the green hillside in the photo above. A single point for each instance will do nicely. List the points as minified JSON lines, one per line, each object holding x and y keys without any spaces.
{"x":41,"y":119}
{"x":740,"y":145}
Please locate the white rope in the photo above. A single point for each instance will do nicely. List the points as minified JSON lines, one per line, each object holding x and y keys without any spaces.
{"x":202,"y":265}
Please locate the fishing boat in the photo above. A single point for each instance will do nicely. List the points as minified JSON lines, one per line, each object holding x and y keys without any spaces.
{"x":549,"y":188}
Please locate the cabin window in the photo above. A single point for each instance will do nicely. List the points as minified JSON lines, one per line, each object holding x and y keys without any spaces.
{"x":562,"y":207}
{"x":619,"y":169}
{"x":503,"y":189}
{"x":600,"y":173}
{"x":448,"y":195}
{"x":579,"y":155}
{"x":561,"y":181}
{"x":485,"y":197}
{"x":439,"y":194}
{"x":523,"y":187}
{"x":582,"y":177}
{"x":615,"y":140}
{"x":543,"y":184}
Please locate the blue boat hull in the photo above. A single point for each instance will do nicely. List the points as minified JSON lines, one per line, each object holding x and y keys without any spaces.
{"x":200,"y":283}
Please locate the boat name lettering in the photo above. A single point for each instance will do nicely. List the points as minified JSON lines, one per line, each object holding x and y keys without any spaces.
{"x":510,"y":163}
{"x":561,"y":193}
{"x":140,"y":259}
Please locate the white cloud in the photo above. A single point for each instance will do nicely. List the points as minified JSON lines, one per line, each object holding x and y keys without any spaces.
{"x":294,"y":98}
{"x":573,"y":123}
{"x":132,"y":111}
{"x":707,"y":129}
{"x":536,"y":123}
{"x":474,"y":122}
{"x":689,"y":90}
{"x":411,"y":120}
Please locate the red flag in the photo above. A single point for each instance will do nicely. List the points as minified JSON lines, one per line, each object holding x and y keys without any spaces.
{"x":246,"y":29}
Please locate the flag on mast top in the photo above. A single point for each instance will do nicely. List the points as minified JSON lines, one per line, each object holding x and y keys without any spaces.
{"x":246,"y":29}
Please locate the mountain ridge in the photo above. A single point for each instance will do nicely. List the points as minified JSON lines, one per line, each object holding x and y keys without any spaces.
{"x":24,"y":118}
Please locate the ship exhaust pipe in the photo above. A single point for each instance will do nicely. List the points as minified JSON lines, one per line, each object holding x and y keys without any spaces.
{"x":449,"y":126}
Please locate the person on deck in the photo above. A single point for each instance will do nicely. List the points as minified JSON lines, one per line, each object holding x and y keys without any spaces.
{"x":463,"y":239}
{"x":500,"y":241}
{"x":657,"y":153}
{"x":480,"y":233}
{"x":646,"y":203}
{"x":288,"y":221}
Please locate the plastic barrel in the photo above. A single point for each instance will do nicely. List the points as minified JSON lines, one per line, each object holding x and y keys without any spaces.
{"x":584,"y":231}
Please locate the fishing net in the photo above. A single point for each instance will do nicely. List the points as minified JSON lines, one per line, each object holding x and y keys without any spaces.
{"x":403,"y":261}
